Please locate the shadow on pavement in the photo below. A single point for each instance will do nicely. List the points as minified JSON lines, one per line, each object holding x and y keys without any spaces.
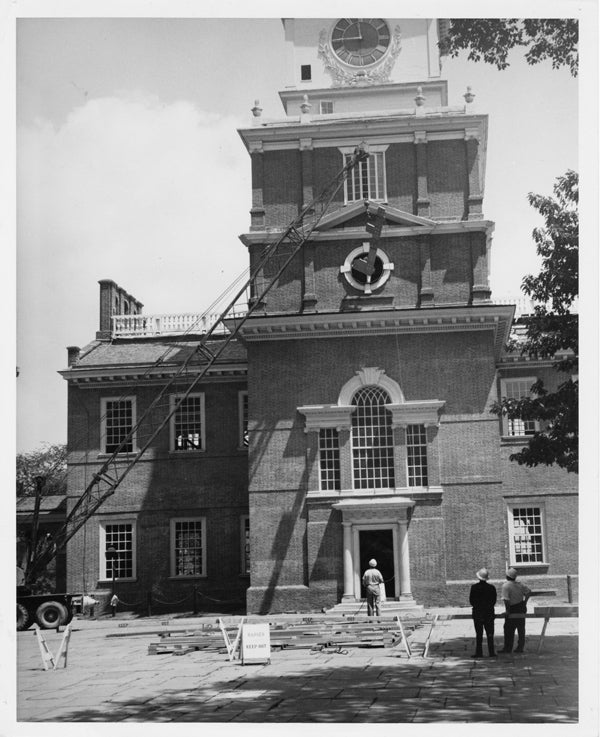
{"x":448,"y":686}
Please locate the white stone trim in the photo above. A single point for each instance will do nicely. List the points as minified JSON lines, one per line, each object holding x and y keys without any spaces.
{"x":327,"y":416}
{"x":368,"y":287}
{"x":425,"y":412}
{"x":370,"y":377}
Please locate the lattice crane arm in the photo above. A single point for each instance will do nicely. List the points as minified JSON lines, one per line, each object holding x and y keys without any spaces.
{"x":114,"y":469}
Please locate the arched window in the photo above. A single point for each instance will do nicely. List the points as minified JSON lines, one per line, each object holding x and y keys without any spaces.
{"x":372,"y":440}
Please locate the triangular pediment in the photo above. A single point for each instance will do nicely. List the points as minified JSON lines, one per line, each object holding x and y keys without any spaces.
{"x":357,"y":214}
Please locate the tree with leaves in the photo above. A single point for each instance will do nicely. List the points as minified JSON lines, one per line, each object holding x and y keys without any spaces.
{"x":49,"y":462}
{"x":552,"y":332}
{"x":490,"y":40}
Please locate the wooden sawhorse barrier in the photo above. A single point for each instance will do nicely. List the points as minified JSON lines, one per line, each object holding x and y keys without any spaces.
{"x":545,"y":612}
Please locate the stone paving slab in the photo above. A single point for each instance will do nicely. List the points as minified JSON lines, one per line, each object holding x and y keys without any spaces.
{"x":365,"y":685}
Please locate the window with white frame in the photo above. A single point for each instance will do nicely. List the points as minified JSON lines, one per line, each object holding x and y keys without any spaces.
{"x":120,"y":535}
{"x":243,"y":419}
{"x":188,"y":547}
{"x":526,"y":530}
{"x":326,"y":107}
{"x":416,"y":455}
{"x":117,"y":422}
{"x":245,"y":544}
{"x":518,"y":389}
{"x":329,"y":459}
{"x":372,"y":440}
{"x":367,"y":181}
{"x":187,"y":423}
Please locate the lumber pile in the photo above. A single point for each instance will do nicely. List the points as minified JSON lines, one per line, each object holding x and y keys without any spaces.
{"x":313,"y":633}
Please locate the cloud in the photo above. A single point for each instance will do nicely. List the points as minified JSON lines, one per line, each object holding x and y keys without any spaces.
{"x":150,"y":195}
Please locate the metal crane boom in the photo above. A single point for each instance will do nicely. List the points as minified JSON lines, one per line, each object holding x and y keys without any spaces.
{"x":114,"y":470}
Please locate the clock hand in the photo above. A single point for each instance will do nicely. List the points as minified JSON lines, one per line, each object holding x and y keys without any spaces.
{"x":353,"y":38}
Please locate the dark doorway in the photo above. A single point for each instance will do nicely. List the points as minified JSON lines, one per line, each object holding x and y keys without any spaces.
{"x":378,"y":544}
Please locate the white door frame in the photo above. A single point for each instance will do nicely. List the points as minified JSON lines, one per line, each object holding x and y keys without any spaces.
{"x":356,"y":529}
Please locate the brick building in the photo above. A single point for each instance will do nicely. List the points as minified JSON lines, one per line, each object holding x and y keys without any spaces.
{"x":351,"y":417}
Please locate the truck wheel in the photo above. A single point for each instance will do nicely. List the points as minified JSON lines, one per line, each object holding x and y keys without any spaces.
{"x":51,"y":614}
{"x":23,"y":618}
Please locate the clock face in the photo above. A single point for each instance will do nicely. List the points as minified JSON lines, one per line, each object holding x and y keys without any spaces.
{"x":360,"y":42}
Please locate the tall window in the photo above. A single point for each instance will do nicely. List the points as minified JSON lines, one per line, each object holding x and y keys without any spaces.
{"x":245,"y":547}
{"x":118,"y":418}
{"x":518,"y":389}
{"x":329,"y":459}
{"x":188,"y":547}
{"x":243,"y":419}
{"x":526,"y":534}
{"x":119,"y":535}
{"x":372,"y":440}
{"x":367,"y":180}
{"x":416,"y":452}
{"x":187,"y":424}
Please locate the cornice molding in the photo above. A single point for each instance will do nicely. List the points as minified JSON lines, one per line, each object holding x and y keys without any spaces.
{"x":327,"y":416}
{"x":496,"y":318}
{"x":395,"y":126}
{"x":141,"y":373}
{"x":264,"y":237}
{"x":357,"y":500}
{"x":425,"y":412}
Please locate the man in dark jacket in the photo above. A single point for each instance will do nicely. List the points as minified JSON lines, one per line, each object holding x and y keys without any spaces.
{"x":483,"y":598}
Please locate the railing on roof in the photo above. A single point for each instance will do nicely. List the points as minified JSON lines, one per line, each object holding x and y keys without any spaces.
{"x":140,"y":326}
{"x":523,"y":305}
{"x":195,"y":323}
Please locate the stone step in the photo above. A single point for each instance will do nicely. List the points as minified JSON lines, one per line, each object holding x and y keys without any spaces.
{"x":390,"y":607}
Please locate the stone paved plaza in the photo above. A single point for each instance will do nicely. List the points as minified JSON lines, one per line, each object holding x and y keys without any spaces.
{"x":113,"y":679}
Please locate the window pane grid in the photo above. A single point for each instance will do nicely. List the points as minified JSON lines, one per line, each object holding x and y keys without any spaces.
{"x":329,"y":459}
{"x":372,"y":440}
{"x":366,"y":180}
{"x":119,"y":422}
{"x":188,"y":548}
{"x":518,"y":389}
{"x":119,"y":537}
{"x":416,"y":450}
{"x":188,"y":424}
{"x":527,"y":535}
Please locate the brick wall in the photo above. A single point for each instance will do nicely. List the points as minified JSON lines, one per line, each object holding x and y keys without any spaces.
{"x":161,"y":486}
{"x":451,"y":273}
{"x":447,"y":179}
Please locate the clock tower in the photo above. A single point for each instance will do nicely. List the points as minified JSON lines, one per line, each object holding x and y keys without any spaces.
{"x":371,"y":360}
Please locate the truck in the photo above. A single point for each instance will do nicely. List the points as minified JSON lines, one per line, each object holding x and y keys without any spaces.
{"x":48,"y":611}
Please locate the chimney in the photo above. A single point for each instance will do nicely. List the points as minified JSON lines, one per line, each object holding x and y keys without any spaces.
{"x":73,"y":352}
{"x":114,"y":300}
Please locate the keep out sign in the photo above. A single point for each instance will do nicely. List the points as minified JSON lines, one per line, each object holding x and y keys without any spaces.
{"x":256,"y":643}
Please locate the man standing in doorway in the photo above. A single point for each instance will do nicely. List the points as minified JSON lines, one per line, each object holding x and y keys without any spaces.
{"x":371,"y":580}
{"x":515,"y":596}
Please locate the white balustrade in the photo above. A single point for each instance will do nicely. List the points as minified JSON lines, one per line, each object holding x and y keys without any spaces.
{"x":138,"y":326}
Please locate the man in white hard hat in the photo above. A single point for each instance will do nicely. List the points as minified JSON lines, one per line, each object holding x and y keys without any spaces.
{"x":371,"y":580}
{"x":482,"y":598}
{"x":515,"y":596}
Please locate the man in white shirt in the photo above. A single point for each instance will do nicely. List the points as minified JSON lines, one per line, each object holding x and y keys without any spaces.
{"x":515,"y":596}
{"x":371,"y":580}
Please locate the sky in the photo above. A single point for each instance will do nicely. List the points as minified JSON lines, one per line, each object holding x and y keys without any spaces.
{"x":129,"y":167}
